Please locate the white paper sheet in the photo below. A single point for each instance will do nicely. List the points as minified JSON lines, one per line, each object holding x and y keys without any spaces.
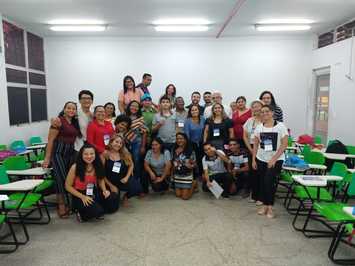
{"x":216,"y":189}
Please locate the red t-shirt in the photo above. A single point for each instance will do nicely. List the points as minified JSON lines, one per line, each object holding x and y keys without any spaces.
{"x":99,"y":135}
{"x":81,"y":185}
{"x":238,"y":122}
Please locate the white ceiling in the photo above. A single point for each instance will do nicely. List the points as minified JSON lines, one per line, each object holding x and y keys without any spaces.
{"x":135,"y":17}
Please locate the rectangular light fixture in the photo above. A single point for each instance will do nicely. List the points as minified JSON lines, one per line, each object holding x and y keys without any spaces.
{"x":178,"y":28}
{"x":76,"y":22}
{"x":182,"y":21}
{"x":282,"y":27}
{"x":287,"y":21}
{"x":77,"y":28}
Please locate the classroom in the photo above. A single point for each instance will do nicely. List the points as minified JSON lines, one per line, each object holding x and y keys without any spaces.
{"x":155,"y":132}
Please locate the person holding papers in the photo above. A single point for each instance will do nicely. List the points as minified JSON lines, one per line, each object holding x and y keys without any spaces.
{"x":270,"y":142}
{"x":213,"y":164}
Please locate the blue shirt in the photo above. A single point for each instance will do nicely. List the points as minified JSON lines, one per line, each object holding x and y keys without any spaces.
{"x":194,"y":131}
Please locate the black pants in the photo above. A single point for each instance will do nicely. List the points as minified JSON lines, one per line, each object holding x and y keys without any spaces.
{"x":197,"y":147}
{"x":161,"y":186}
{"x":267,"y":178}
{"x":242,"y":181}
{"x":98,"y":208}
{"x":223,"y":179}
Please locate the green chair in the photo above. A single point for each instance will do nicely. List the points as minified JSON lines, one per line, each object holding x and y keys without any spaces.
{"x":16,"y":163}
{"x":289,"y":142}
{"x":314,"y":158}
{"x":3,"y":242}
{"x":3,"y":147}
{"x":318,"y":139}
{"x":35,"y":140}
{"x":306,"y":149}
{"x":351,"y":149}
{"x":17,"y":144}
{"x":330,"y":142}
{"x":19,"y":163}
{"x":333,"y":213}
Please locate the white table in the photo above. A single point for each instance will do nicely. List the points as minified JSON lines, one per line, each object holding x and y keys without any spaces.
{"x":38,"y":171}
{"x":351,"y":171}
{"x":22,"y":185}
{"x":36,"y":147}
{"x":24,"y":152}
{"x":317,"y":166}
{"x":335,"y":156}
{"x":316,"y":182}
{"x":349,"y":210}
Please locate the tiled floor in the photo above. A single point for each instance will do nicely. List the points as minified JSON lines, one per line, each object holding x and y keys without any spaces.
{"x":163,"y":230}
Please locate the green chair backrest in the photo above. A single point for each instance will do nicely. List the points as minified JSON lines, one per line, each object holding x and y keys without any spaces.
{"x":330,"y":142}
{"x":17,"y":144}
{"x":318,"y":139}
{"x":351,"y":149}
{"x":306,"y":149}
{"x":351,"y":189}
{"x":289,"y":142}
{"x":3,"y":147}
{"x":35,"y":140}
{"x":4,"y":179}
{"x":314,"y":158}
{"x":41,"y":156}
{"x":339,"y":169}
{"x":15,"y":163}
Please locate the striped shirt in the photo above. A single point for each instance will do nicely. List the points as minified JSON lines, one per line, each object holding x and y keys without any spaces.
{"x":278,"y":114}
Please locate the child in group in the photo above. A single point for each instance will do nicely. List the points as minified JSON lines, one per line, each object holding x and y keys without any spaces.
{"x":213,"y":164}
{"x":239,"y":167}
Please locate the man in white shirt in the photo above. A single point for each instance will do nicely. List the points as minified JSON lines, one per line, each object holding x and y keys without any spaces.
{"x":217,"y":98}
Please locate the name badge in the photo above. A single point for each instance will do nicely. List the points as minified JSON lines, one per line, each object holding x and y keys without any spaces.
{"x":181,"y":124}
{"x":268,"y":145}
{"x":252,"y":136}
{"x":106,"y":139}
{"x":116,"y":167}
{"x":90,"y":189}
{"x":216,"y":132}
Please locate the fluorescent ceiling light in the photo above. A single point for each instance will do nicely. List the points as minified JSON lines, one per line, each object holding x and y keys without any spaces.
{"x":181,"y":28}
{"x":182,"y":21}
{"x":78,"y":28}
{"x":282,"y":27}
{"x":287,"y":21}
{"x":76,"y":22}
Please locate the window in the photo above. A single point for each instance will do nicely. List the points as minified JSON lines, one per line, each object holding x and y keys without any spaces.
{"x":26,"y":77}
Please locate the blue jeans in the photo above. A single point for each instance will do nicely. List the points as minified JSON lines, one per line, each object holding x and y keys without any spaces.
{"x":137,"y":158}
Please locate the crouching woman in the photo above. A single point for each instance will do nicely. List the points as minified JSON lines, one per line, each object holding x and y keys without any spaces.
{"x":86,"y":183}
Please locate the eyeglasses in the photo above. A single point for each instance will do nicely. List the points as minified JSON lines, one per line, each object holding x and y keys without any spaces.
{"x":86,"y":98}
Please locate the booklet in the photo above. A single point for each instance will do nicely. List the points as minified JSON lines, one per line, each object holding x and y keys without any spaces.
{"x":216,"y":189}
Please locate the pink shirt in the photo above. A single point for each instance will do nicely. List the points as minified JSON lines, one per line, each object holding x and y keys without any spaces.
{"x":130,"y":96}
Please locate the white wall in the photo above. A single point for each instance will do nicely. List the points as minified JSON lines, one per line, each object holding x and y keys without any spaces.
{"x":238,"y":66}
{"x":342,"y":89}
{"x":9,"y":133}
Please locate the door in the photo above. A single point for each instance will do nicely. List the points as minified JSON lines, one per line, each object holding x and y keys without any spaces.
{"x":321,"y":106}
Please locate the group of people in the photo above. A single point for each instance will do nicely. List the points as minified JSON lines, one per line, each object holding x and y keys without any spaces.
{"x":106,"y":156}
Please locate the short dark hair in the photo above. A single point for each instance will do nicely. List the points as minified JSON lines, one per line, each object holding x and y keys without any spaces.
{"x":268,"y":106}
{"x":123,"y":118}
{"x":146,"y":75}
{"x":196,"y":92}
{"x":207,"y":143}
{"x":164,"y":97}
{"x":98,"y":106}
{"x":86,"y":92}
{"x":207,"y":92}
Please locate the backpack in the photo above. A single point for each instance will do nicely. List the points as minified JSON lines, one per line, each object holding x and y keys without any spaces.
{"x":337,"y":147}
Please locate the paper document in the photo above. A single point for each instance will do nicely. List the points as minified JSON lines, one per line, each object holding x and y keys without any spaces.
{"x":216,"y":189}
{"x":3,"y":197}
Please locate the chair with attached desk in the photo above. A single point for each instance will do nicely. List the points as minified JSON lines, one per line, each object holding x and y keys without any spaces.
{"x":22,"y":201}
{"x":340,"y":223}
{"x":11,"y":246}
{"x":35,"y":140}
